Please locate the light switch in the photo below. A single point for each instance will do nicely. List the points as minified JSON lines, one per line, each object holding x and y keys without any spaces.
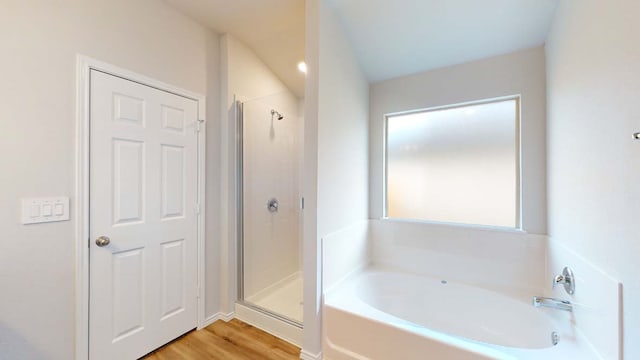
{"x":34,"y":210}
{"x":41,"y":210}
{"x":47,"y":210}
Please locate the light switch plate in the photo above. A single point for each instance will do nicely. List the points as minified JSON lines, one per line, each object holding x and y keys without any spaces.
{"x":44,"y":210}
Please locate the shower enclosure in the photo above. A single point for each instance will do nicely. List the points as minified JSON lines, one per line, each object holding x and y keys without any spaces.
{"x":269,"y":206}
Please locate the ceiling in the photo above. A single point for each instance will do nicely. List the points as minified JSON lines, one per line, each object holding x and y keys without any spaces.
{"x":273,"y":29}
{"x":390,"y":38}
{"x":401,"y":37}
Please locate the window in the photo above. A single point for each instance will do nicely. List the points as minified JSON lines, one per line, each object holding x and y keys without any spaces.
{"x":458,"y":164}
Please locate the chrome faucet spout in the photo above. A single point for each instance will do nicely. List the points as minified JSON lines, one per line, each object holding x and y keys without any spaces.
{"x":539,"y":301}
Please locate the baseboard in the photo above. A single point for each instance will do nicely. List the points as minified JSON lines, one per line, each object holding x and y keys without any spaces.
{"x":305,"y":355}
{"x":217,"y":316}
{"x":228,"y":317}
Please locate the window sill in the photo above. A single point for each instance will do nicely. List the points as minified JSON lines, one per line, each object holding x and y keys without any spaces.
{"x":457,"y":225}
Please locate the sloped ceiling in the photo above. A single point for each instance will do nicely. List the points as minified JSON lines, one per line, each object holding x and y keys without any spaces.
{"x":391,"y":38}
{"x":273,"y":29}
{"x":401,"y":37}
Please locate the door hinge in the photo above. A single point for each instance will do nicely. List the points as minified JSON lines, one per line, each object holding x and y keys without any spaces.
{"x":199,"y":125}
{"x":302,"y":202}
{"x":197,"y":207}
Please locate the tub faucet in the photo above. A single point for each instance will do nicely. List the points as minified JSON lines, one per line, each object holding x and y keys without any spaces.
{"x":539,"y":301}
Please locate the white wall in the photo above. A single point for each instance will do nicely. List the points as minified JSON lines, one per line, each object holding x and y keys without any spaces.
{"x":38,"y":89}
{"x":517,"y":73}
{"x":338,"y":94}
{"x":342,"y":131}
{"x":213,"y":177}
{"x":594,"y":178}
{"x":244,"y":75}
{"x":311,"y":249}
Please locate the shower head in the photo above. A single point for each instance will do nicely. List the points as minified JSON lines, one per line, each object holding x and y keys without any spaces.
{"x":276,"y":114}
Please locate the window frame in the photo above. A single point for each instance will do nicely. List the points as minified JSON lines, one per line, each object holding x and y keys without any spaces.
{"x":518,"y":152}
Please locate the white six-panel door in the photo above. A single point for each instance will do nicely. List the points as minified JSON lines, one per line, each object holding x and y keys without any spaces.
{"x":143,"y":195}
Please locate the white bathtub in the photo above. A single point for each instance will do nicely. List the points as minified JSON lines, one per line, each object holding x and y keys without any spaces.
{"x":378,"y":314}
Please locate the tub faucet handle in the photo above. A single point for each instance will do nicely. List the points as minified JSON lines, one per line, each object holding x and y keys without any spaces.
{"x":566,"y":279}
{"x":559,"y":279}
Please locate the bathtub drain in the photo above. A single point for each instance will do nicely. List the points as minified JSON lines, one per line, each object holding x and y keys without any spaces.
{"x":554,"y":338}
{"x":443,"y":282}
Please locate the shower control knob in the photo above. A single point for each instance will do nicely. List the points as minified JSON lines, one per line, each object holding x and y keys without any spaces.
{"x":272,"y":205}
{"x":567,"y":279}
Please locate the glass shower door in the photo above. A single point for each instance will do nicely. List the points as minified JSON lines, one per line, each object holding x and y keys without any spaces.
{"x":270,"y":148}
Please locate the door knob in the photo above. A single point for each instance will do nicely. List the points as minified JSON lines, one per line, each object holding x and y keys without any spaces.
{"x":272,"y":205}
{"x":103,"y":241}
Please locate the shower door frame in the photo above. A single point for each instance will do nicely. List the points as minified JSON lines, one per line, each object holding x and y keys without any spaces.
{"x":238,"y":106}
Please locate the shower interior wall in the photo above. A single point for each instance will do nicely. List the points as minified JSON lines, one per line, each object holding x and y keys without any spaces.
{"x":272,"y":168}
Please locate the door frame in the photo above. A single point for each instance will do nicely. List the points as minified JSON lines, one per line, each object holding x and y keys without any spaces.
{"x":84,"y":65}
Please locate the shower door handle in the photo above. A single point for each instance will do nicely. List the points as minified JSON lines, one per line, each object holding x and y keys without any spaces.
{"x":272,"y":205}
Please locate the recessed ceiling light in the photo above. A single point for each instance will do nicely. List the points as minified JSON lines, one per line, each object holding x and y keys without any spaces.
{"x":302,"y":67}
